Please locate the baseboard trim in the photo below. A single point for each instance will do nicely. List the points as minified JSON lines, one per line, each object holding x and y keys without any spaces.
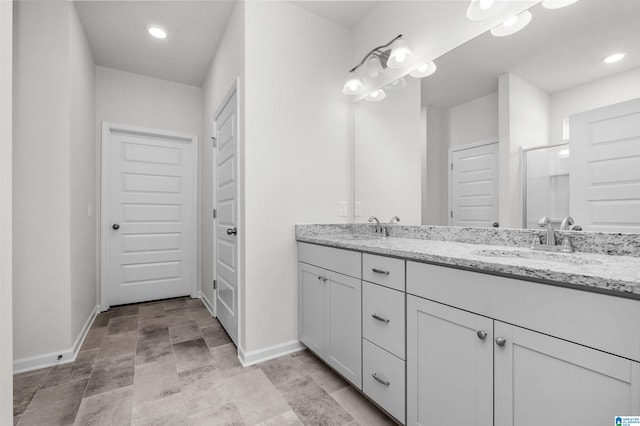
{"x":51,"y":359}
{"x":248,"y":359}
{"x":207,"y":303}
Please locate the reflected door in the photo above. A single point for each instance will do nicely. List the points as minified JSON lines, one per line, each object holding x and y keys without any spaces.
{"x":474,"y":186}
{"x":226,"y":231}
{"x":605,"y":168}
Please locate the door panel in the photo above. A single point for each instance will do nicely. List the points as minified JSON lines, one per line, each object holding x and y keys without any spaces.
{"x":544,"y":380}
{"x":605,"y":168}
{"x":151,"y":187}
{"x":225,"y":196}
{"x":474,"y":186}
{"x":311,"y":307}
{"x":343,"y":325}
{"x":449,"y":368}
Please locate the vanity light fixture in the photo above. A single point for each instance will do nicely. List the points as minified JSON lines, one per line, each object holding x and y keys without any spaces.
{"x":376,"y":96}
{"x":612,"y":59}
{"x":395,"y":54}
{"x":424,"y":69}
{"x":512,"y":25}
{"x":480,"y":10}
{"x":156,"y":31}
{"x":557,"y":4}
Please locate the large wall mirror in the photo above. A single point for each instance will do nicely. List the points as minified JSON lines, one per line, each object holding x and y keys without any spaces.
{"x":450,"y":149}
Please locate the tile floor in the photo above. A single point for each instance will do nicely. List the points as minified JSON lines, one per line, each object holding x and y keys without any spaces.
{"x":171,"y":363}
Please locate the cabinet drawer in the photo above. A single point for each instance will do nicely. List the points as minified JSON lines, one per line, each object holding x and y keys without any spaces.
{"x":386,"y":329}
{"x":385,"y":271}
{"x":389,"y":390}
{"x":337,"y":260}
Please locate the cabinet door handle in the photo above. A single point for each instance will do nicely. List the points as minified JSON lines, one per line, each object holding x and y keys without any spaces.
{"x":322,"y":278}
{"x":500,"y":341}
{"x":482,"y":334}
{"x":379,"y":318}
{"x":380,"y":271}
{"x":379,"y":380}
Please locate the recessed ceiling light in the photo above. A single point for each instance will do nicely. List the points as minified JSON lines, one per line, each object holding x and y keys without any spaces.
{"x":512,"y":25}
{"x":557,"y":4}
{"x":614,"y":58}
{"x":157,"y":31}
{"x":479,"y":10}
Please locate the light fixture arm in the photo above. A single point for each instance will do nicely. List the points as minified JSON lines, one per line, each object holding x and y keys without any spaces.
{"x":375,"y":52}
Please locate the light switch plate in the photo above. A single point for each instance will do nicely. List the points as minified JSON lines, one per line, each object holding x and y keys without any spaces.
{"x":343,"y":209}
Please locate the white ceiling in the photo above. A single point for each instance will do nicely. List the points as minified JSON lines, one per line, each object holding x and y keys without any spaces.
{"x":558,"y":50}
{"x":345,"y":13}
{"x":118,"y":39}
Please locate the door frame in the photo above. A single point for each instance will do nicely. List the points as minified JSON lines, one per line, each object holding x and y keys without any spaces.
{"x":234,"y":89}
{"x":108,"y":129}
{"x":450,"y":175}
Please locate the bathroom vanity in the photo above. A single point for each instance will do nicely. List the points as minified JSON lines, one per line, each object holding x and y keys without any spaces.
{"x":443,"y":332}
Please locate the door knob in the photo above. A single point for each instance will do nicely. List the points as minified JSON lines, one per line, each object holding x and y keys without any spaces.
{"x":116,"y":226}
{"x":232,"y":231}
{"x":482,"y":334}
{"x":500,"y":341}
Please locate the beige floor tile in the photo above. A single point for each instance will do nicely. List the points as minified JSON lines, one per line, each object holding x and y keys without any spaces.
{"x":225,"y":359}
{"x":289,"y":419}
{"x":255,"y":396}
{"x":312,"y":404}
{"x":111,"y":373}
{"x":25,"y":386}
{"x":122,"y":325}
{"x":106,"y":409}
{"x":153,"y":350}
{"x":170,"y":410}
{"x":185,"y":331}
{"x":225,"y":415}
{"x":328,"y":379}
{"x":156,"y":380}
{"x":175,"y":304}
{"x":281,"y":370}
{"x":55,"y":406}
{"x":94,"y":338}
{"x":102,"y":319}
{"x":200,"y":389}
{"x":80,"y":369}
{"x":214,"y":335}
{"x":118,"y":344}
{"x":360,"y":408}
{"x":155,"y":310}
{"x":192,"y":354}
{"x":124,"y":311}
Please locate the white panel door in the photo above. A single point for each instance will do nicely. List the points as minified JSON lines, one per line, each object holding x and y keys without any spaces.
{"x":542,"y":380}
{"x":605,"y":168}
{"x":151,"y":216}
{"x":226,"y":224}
{"x":474,"y":186}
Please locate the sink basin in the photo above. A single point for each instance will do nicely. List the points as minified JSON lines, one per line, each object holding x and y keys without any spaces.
{"x":357,"y":237}
{"x":574,"y":259}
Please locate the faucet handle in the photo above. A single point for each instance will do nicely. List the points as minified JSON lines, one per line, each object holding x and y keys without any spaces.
{"x":544,"y":221}
{"x":566,"y":223}
{"x":394,"y":219}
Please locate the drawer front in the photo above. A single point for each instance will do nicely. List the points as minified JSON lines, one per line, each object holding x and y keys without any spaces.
{"x":388,"y":369}
{"x":385,"y":271}
{"x":337,"y":260}
{"x":383,"y":319}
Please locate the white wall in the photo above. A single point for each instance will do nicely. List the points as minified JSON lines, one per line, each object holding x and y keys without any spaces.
{"x":6,"y":330}
{"x":138,"y":100}
{"x":523,"y":122}
{"x":297,"y":154}
{"x":388,"y":165}
{"x":607,"y":91}
{"x":82,"y":177}
{"x":436,"y":210}
{"x":41,"y":175}
{"x":227,"y":65}
{"x":474,"y":121}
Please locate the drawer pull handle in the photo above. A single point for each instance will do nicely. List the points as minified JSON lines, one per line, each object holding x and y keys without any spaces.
{"x":379,"y":318}
{"x":482,"y":334}
{"x":380,"y":271}
{"x":500,"y":341}
{"x":379,"y":380}
{"x":322,"y":278}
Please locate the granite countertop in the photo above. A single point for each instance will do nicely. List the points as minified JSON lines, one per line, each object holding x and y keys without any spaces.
{"x":614,"y":275}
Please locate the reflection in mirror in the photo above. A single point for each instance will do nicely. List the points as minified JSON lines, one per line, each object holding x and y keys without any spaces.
{"x":522,"y":90}
{"x":546,"y":184}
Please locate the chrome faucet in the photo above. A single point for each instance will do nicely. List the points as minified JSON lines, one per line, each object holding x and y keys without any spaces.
{"x":378,"y":228}
{"x":545,"y":222}
{"x":385,"y":228}
{"x":566,"y":224}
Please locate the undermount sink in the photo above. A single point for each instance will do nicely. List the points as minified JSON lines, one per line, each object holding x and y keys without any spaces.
{"x":574,"y":259}
{"x":358,"y":237}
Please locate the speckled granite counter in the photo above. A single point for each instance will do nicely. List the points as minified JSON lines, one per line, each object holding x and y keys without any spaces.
{"x":611,"y":274}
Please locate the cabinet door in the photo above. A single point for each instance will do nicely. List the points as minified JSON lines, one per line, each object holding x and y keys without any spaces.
{"x":449,"y":365}
{"x":311,"y":307}
{"x":343,"y":350}
{"x":542,"y":380}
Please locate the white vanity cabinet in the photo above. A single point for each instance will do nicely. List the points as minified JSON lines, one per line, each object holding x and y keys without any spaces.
{"x":472,"y":365}
{"x":329,"y":307}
